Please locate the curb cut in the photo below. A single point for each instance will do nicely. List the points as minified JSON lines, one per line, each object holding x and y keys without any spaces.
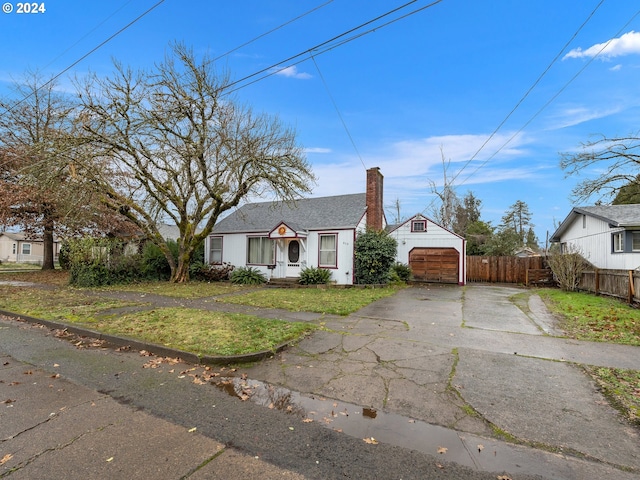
{"x":159,"y":350}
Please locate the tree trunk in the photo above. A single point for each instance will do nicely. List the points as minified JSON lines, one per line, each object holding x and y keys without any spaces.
{"x":47,"y":245}
{"x":181,"y":273}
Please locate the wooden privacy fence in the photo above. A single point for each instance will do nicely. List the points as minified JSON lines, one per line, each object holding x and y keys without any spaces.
{"x":507,"y":269}
{"x":615,"y":283}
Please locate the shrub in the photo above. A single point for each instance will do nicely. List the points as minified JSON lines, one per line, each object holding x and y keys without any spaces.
{"x":567,"y":267}
{"x":247,"y":276}
{"x":400,"y":272}
{"x":314,"y":276}
{"x":211,"y":273}
{"x":155,"y":264}
{"x":64,"y":256}
{"x":375,"y":252}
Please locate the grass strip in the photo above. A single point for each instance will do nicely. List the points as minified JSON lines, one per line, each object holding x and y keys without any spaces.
{"x":334,"y":301}
{"x":585,"y":316}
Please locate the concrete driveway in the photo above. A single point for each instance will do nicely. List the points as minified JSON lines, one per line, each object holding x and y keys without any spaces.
{"x":470,"y":360}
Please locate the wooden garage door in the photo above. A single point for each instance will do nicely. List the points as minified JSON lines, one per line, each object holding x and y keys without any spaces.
{"x":439,"y":265}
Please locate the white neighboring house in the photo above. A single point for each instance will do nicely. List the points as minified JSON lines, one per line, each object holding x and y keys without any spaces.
{"x":608,"y":236}
{"x":434,"y":253}
{"x":282,"y":239}
{"x":19,"y":248}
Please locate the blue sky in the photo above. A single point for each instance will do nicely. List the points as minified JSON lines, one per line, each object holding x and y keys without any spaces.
{"x":437,"y":82}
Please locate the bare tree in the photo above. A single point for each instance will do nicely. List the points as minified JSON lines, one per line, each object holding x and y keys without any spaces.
{"x":445,"y":213}
{"x":617,"y":157}
{"x":169,"y":145}
{"x":39,"y":190}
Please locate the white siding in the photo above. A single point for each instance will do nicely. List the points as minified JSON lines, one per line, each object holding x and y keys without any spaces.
{"x":234,"y":251}
{"x":594,"y":242}
{"x":435,"y":236}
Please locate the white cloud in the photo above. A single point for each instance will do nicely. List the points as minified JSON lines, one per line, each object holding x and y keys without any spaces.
{"x":616,"y":68}
{"x":572,"y":116}
{"x":627,"y":44}
{"x":292,"y":72}
{"x":317,"y":150}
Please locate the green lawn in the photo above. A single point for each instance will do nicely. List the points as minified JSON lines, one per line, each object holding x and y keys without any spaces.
{"x":585,"y":316}
{"x":334,"y":301}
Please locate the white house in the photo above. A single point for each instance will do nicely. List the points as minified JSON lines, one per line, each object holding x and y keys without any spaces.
{"x":281,"y":239}
{"x":434,"y":253}
{"x":17,"y":247}
{"x":608,"y":236}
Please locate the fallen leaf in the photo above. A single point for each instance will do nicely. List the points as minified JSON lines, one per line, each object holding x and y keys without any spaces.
{"x":290,"y":428}
{"x":442,"y":450}
{"x":191,"y":430}
{"x":307,"y":420}
{"x":6,"y":458}
{"x":370,"y":441}
{"x":439,"y":465}
{"x":7,"y":401}
{"x":412,"y":421}
{"x":480,"y":447}
{"x":504,"y":477}
{"x":110,"y":459}
{"x":57,"y":375}
{"x":56,"y":365}
{"x":28,"y":372}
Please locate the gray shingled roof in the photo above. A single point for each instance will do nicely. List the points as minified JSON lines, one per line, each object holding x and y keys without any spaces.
{"x":323,"y":213}
{"x":614,"y":215}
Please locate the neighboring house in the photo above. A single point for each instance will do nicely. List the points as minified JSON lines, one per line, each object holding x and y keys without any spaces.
{"x":526,"y":252}
{"x":608,"y":236}
{"x":281,"y":239}
{"x":19,"y":248}
{"x":434,"y":253}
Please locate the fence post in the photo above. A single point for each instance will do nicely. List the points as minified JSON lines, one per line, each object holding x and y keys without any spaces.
{"x":597,"y":282}
{"x":632,"y":289}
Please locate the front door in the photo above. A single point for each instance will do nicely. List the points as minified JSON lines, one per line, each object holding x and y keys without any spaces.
{"x":293,"y":259}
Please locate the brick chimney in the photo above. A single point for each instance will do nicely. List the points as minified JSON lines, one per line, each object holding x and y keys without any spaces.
{"x":375,"y":208}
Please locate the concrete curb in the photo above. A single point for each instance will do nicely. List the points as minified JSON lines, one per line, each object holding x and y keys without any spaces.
{"x":159,"y":350}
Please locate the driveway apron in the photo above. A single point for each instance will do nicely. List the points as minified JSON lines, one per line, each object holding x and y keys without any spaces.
{"x":469,"y":359}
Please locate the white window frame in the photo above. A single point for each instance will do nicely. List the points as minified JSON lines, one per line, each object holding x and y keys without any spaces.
{"x":618,"y":242}
{"x":323,"y":251}
{"x":23,"y":249}
{"x":266,"y":247}
{"x":215,"y":252}
{"x":15,"y":249}
{"x":635,"y":241}
{"x":422,"y":223}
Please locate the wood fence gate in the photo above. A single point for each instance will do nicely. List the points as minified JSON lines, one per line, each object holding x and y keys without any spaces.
{"x":505,"y":269}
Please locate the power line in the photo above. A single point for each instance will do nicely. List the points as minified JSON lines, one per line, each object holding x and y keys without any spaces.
{"x":335,"y":105}
{"x":557,"y":94}
{"x":315,"y":50}
{"x":55,"y":77}
{"x":546,"y":70}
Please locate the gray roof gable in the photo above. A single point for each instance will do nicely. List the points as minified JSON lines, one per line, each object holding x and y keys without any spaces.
{"x":321,"y":213}
{"x":614,"y":215}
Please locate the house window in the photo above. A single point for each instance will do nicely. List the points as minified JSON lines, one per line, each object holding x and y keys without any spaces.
{"x":327,"y":249}
{"x":215,"y":250}
{"x":419,"y":226}
{"x":618,"y":242}
{"x":584,"y":221}
{"x":260,"y":251}
{"x":14,"y":249}
{"x":635,"y":243}
{"x":26,"y":249}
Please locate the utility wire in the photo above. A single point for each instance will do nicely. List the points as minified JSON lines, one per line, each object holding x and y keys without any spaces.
{"x":315,"y":50}
{"x":55,"y":77}
{"x":546,"y":70}
{"x":562,"y":89}
{"x":335,"y":105}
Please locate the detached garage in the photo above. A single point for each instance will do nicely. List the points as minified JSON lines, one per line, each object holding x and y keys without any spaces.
{"x":435,"y":254}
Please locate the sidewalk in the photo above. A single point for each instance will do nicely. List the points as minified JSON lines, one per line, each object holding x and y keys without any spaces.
{"x":54,"y":429}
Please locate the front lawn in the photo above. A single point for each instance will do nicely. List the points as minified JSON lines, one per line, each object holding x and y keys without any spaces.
{"x":585,"y":316}
{"x":334,"y":301}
